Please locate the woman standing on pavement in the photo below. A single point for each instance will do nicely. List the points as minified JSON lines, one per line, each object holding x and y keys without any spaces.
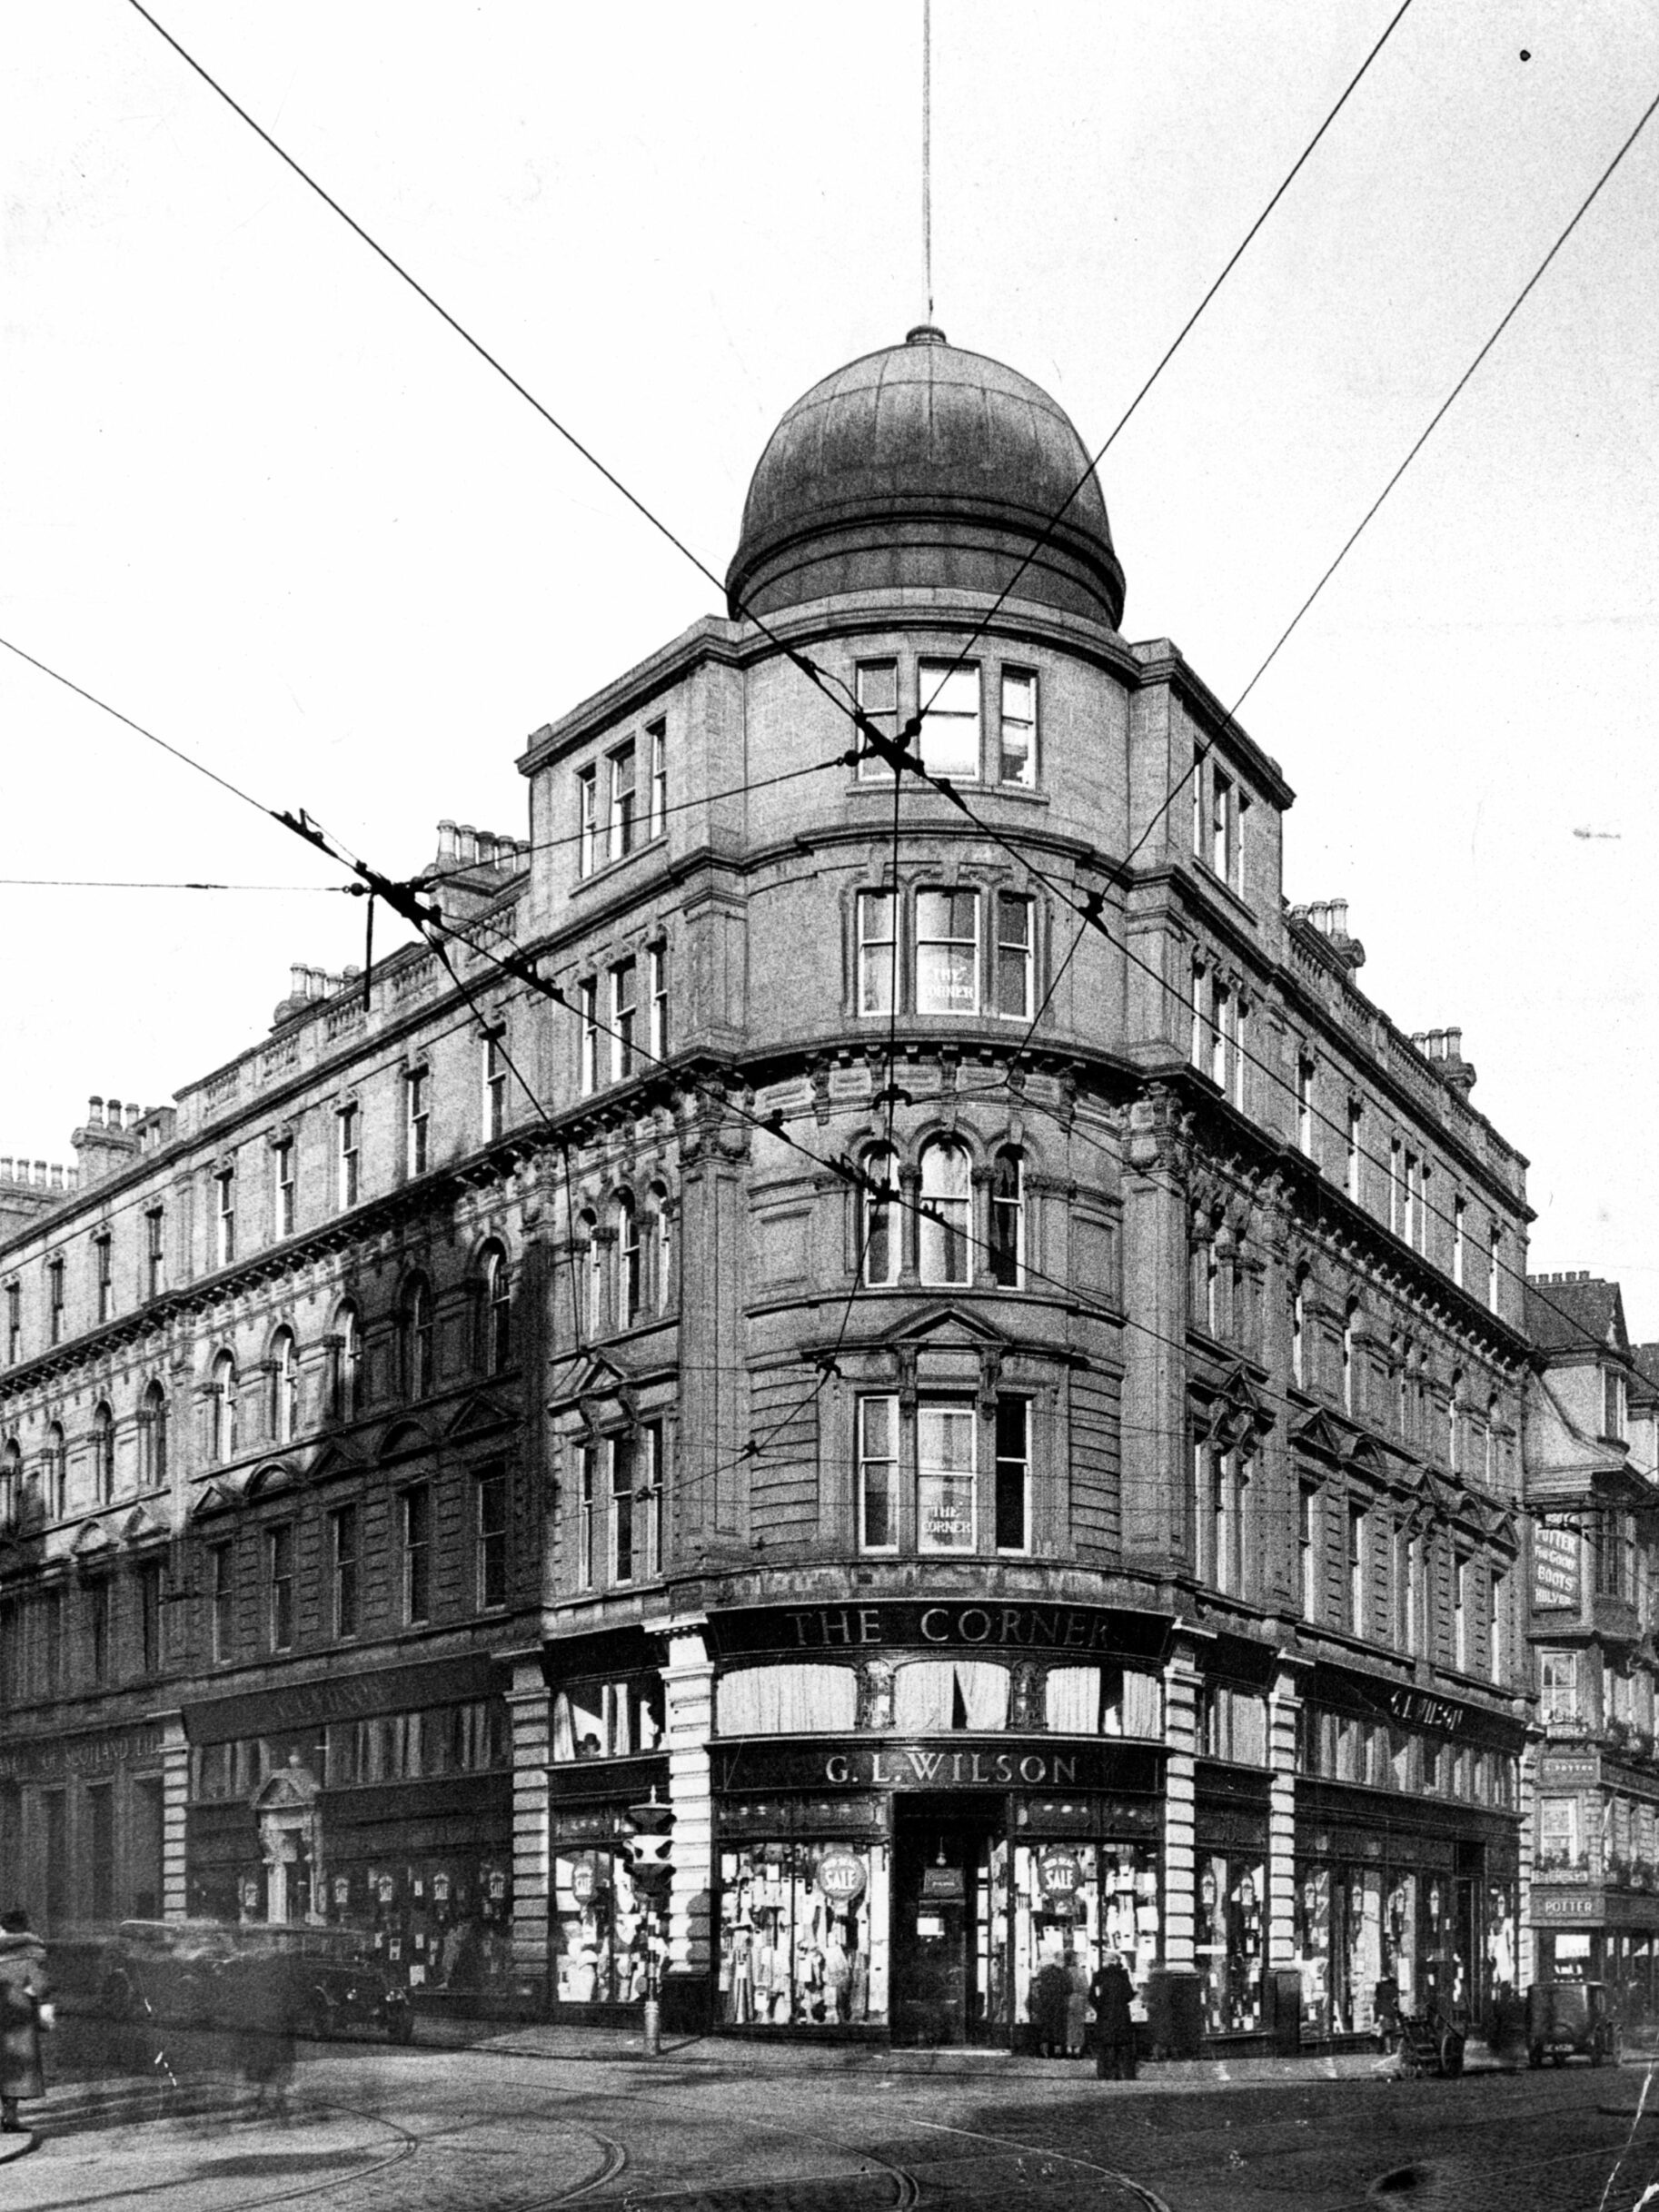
{"x":24,"y":2010}
{"x":1109,"y":1993}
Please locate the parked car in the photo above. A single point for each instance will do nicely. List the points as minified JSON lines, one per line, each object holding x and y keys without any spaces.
{"x":336,"y":1982}
{"x":195,"y":1973}
{"x":168,"y":1969}
{"x":1565,"y":2018}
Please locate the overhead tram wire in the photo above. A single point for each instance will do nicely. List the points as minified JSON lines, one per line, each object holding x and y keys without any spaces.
{"x":1584,"y":208}
{"x":1060,"y":512}
{"x":104,"y":883}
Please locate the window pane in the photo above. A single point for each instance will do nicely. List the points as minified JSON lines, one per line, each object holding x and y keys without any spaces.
{"x":1011,"y":1463}
{"x":945,"y":1478}
{"x":943,"y":1229}
{"x":878,"y":1451}
{"x":1014,"y":955}
{"x":880,"y":1243}
{"x":946,"y":952}
{"x":1018,"y":729}
{"x":950,"y":719}
{"x":878,"y":688}
{"x":876,"y":952}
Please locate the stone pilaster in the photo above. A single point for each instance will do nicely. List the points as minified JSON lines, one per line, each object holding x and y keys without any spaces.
{"x":527,"y":1702}
{"x":175,"y":1799}
{"x":1155,"y":1288}
{"x":1526,"y":1936}
{"x":1284,"y":1711}
{"x":689,"y":1678}
{"x":1180,"y":1771}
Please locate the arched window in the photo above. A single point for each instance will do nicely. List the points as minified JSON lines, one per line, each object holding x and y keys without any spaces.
{"x":590,"y":1258}
{"x":345,"y":1381}
{"x":878,"y":1217}
{"x":662,"y":1248}
{"x":1489,"y":1464}
{"x":225,"y":1408}
{"x":415,"y":1338}
{"x":103,"y":1454}
{"x":284,"y":1409}
{"x":497,"y":1316}
{"x":56,"y":1472}
{"x":629,"y":1286}
{"x":152,"y":1436}
{"x":947,"y":1199}
{"x":1454,"y":1424}
{"x":1007,"y":1223}
{"x":11,"y":1481}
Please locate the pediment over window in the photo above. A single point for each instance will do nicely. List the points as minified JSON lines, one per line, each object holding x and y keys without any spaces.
{"x":591,"y":1385}
{"x":331,"y":1463}
{"x":951,"y":1326}
{"x":403,"y":1440}
{"x":1319,"y":1434}
{"x":139,"y":1524}
{"x":480,"y":1416}
{"x":91,"y":1538}
{"x":293,"y":1787}
{"x":1367,"y":1456}
{"x":1234,"y":1410}
{"x":219,"y":1496}
{"x":266,"y":1481}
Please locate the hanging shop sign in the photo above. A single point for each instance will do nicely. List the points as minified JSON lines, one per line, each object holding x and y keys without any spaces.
{"x":841,"y":1875}
{"x":1060,"y":1873}
{"x":585,"y":1882}
{"x":1556,"y":1578}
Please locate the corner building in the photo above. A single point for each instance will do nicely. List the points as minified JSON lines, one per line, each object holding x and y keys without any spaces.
{"x":1014,"y":1439}
{"x":1092,"y":1526}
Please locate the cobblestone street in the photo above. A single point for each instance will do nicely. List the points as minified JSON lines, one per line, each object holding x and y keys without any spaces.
{"x":538,"y":2118}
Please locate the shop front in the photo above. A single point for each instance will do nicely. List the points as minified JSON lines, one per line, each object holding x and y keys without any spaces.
{"x":81,"y":1822}
{"x":379,"y":1801}
{"x":930,"y":1892}
{"x":1408,"y":1869}
{"x":1595,"y":1905}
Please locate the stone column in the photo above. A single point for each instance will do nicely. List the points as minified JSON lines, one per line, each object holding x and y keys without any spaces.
{"x":1284,"y":1710}
{"x":175,"y":1798}
{"x":1156,"y":1481}
{"x":689,"y":1680}
{"x":1180,"y":1772}
{"x":527,"y":1702}
{"x":1526,"y":1936}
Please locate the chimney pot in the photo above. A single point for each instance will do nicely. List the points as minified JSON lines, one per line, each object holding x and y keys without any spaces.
{"x":94,"y":1113}
{"x":1454,"y":1044}
{"x":446,"y":840}
{"x":133,"y":1112}
{"x":1339,"y":917}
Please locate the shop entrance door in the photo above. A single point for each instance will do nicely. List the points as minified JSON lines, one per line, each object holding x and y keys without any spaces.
{"x":942,"y":1848}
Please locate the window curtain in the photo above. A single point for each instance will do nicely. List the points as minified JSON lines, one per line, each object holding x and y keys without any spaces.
{"x":984,"y":1690}
{"x":786,"y":1701}
{"x":1073,"y":1700}
{"x":929,"y":1694}
{"x":1143,"y":1705}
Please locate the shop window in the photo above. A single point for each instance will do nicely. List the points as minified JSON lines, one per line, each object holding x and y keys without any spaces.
{"x":1017,"y":762}
{"x":786,"y":1701}
{"x":601,"y":1928}
{"x":1233,"y":1724}
{"x":950,"y":698}
{"x":1104,"y":1701}
{"x":1230,"y":1928}
{"x":878,"y":1217}
{"x":608,"y":1720}
{"x":1073,"y":1904}
{"x":804,"y":1934}
{"x":933,"y":1697}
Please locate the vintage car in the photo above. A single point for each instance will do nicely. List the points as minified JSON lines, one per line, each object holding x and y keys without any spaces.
{"x":334,"y":1980}
{"x":320,"y":1981}
{"x":1565,"y":2018}
{"x":166,"y":1969}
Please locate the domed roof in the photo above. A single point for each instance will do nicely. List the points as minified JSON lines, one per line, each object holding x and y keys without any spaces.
{"x":925,"y":465}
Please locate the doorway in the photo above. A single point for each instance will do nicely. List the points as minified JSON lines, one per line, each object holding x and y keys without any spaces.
{"x":947,"y":1854}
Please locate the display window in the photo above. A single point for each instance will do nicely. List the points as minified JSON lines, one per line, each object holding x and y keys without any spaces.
{"x":602,"y":1931}
{"x":1071,"y":1906}
{"x":804,"y":1934}
{"x":1230,"y":1925}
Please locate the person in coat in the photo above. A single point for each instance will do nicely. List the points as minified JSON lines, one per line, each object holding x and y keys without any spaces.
{"x":24,"y":2010}
{"x":1046,"y":2005}
{"x":1109,"y":1993}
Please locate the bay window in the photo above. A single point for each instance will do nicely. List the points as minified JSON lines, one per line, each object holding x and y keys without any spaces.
{"x":946,"y":1478}
{"x":946,"y":952}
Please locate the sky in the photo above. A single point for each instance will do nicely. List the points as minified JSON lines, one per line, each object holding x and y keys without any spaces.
{"x":259,"y":498}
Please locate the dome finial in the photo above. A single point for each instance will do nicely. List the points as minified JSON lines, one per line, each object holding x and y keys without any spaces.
{"x":926,"y":334}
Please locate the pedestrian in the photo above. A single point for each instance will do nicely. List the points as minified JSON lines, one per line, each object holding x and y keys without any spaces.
{"x":263,"y":2013}
{"x":1109,"y":1993}
{"x":1047,"y":2006}
{"x":25,"y":2014}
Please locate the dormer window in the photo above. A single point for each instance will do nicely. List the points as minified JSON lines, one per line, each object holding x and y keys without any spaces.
{"x":1613,"y":1404}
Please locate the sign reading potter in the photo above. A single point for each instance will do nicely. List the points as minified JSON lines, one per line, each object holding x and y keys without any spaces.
{"x":1555,"y":1586}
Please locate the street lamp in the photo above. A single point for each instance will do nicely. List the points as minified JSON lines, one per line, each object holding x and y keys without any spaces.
{"x":652,"y":1872}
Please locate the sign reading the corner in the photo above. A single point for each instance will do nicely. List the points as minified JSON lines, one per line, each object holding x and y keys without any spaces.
{"x":951,"y":1624}
{"x":1029,"y":1764}
{"x":1554,"y":1569}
